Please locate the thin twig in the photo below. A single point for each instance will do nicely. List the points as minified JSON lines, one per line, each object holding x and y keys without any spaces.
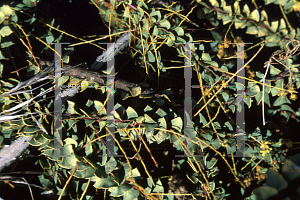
{"x":263,"y":92}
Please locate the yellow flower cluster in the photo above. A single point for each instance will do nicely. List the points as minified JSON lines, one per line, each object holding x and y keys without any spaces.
{"x":265,"y":148}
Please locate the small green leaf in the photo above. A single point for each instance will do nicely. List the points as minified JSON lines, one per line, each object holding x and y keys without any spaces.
{"x":227,"y":9}
{"x":150,"y":127}
{"x":84,"y":170}
{"x":155,"y":31}
{"x":141,"y":11}
{"x":6,"y":44}
{"x":202,"y":119}
{"x":142,"y":4}
{"x":177,"y":124}
{"x":273,"y":41}
{"x":165,"y":23}
{"x":136,"y":19}
{"x":216,"y":36}
{"x":160,"y":112}
{"x":252,"y":30}
{"x":261,"y":31}
{"x":259,"y":75}
{"x":88,"y":149}
{"x":270,"y":1}
{"x":66,"y":150}
{"x":125,"y":12}
{"x":225,"y":96}
{"x":287,"y":108}
{"x":7,"y":11}
{"x":110,"y":165}
{"x":281,"y":100}
{"x":69,"y":161}
{"x":273,"y":70}
{"x":228,"y":124}
{"x":131,"y":194}
{"x":151,"y":57}
{"x":31,"y":129}
{"x":99,"y":106}
{"x":216,"y":143}
{"x":71,"y":108}
{"x":131,"y":113}
{"x":1,"y":56}
{"x":171,"y":39}
{"x":246,"y":10}
{"x":274,"y":91}
{"x":239,"y":86}
{"x":120,"y":190}
{"x":230,"y":149}
{"x":158,"y":187}
{"x":248,"y":102}
{"x":210,"y":164}
{"x":161,"y":136}
{"x":14,"y":18}
{"x":156,"y":13}
{"x":226,"y":19}
{"x":179,"y":31}
{"x":254,"y":91}
{"x":289,"y":5}
{"x":5,"y":31}
{"x":236,"y":7}
{"x":148,"y":119}
{"x":254,"y":15}
{"x":206,"y":57}
{"x":258,"y":98}
{"x":145,"y":25}
{"x":162,"y":123}
{"x":282,"y":24}
{"x":2,"y":18}
{"x":28,"y":3}
{"x":70,"y":141}
{"x":274,"y":26}
{"x":135,"y":173}
{"x":44,"y":164}
{"x":107,"y":183}
{"x":239,"y":23}
{"x":49,"y":39}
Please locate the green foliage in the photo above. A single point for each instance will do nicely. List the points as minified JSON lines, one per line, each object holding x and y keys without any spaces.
{"x":143,"y":121}
{"x":284,"y":185}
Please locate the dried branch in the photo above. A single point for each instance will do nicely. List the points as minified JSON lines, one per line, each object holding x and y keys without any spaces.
{"x":107,"y":55}
{"x":11,"y":152}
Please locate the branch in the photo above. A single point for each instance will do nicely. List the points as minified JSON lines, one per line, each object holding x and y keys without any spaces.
{"x":121,"y":43}
{"x":10,"y":152}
